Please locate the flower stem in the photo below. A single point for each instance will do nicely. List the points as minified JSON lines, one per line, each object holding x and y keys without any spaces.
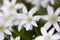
{"x":37,"y":34}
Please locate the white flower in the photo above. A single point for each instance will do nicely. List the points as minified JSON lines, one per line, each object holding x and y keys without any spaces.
{"x":3,"y":28}
{"x":18,"y":16}
{"x":43,"y":3}
{"x":48,"y":36}
{"x":10,"y":7}
{"x":17,"y":38}
{"x":8,"y":20}
{"x":28,"y":19}
{"x":52,"y":18}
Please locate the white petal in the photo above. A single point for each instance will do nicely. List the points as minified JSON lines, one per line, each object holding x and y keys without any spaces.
{"x":13,"y":1}
{"x":47,"y":25}
{"x":29,"y":0}
{"x":21,"y":24}
{"x":21,"y":6}
{"x":6,"y":2}
{"x":8,"y":23}
{"x":56,"y":26}
{"x":34,"y":23}
{"x":13,"y":11}
{"x":39,"y":38}
{"x":36,"y":18}
{"x":6,"y":11}
{"x":17,"y":38}
{"x":35,"y":3}
{"x":44,"y":3}
{"x":52,"y":2}
{"x":1,"y":14}
{"x":45,"y":17}
{"x":57,"y":12}
{"x":7,"y":32}
{"x":32,"y":11}
{"x":2,"y":20}
{"x":43,"y":31}
{"x":51,"y":32}
{"x":50,"y":10}
{"x":25,"y":10}
{"x":28,"y":26}
{"x":56,"y":36}
{"x":10,"y":28}
{"x":1,"y":36}
{"x":16,"y":22}
{"x":11,"y":38}
{"x":58,"y":18}
{"x":19,"y":27}
{"x":18,"y":16}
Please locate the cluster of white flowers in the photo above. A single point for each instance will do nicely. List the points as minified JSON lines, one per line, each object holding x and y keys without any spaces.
{"x":10,"y":17}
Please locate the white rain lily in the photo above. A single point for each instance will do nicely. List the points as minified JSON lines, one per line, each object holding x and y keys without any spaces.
{"x":48,"y":35}
{"x":10,"y":10}
{"x":10,"y":7}
{"x":4,"y":29}
{"x":28,"y":19}
{"x":18,"y":16}
{"x":17,"y":38}
{"x":52,"y":18}
{"x":8,"y":20}
{"x":43,"y":3}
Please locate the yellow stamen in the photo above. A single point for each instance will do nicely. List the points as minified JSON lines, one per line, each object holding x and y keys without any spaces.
{"x":11,"y":7}
{"x":29,"y":19}
{"x":47,"y":38}
{"x":53,"y":18}
{"x":1,"y":27}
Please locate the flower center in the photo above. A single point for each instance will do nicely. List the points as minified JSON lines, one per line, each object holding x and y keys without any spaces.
{"x":47,"y":38}
{"x":1,"y":28}
{"x":53,"y":18}
{"x":29,"y":19}
{"x":11,"y":7}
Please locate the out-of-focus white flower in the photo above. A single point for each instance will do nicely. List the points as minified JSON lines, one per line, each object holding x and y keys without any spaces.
{"x":10,"y":7}
{"x":17,"y":38}
{"x":52,"y":18}
{"x":49,"y":35}
{"x":18,"y":16}
{"x":3,"y":28}
{"x":43,"y":3}
{"x":27,"y":19}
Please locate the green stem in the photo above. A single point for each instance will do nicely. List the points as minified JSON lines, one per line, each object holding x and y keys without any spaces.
{"x":36,"y":31}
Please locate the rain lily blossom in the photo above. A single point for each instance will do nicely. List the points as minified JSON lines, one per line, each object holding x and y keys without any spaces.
{"x":48,"y":35}
{"x":4,"y":29}
{"x":17,"y":38}
{"x":10,"y":7}
{"x":52,"y":18}
{"x":28,"y":19}
{"x":18,"y":16}
{"x":43,"y":3}
{"x":8,"y":19}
